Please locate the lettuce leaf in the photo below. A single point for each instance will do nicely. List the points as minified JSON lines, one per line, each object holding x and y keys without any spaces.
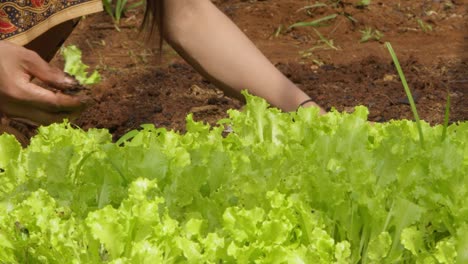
{"x":76,"y":68}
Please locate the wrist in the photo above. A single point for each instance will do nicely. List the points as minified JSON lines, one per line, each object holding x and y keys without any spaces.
{"x":306,"y":103}
{"x":311,"y":103}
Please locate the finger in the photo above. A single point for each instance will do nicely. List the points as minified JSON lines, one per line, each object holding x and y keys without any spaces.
{"x":38,"y":116}
{"x":25,"y":121}
{"x":39,"y":68}
{"x":47,"y":100}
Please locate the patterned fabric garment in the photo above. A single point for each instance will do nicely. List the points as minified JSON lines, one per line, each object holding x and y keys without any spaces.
{"x":21,"y":21}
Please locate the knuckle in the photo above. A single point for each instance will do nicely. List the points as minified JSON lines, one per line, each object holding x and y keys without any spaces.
{"x":31,"y":58}
{"x":55,"y":73}
{"x":30,"y":55}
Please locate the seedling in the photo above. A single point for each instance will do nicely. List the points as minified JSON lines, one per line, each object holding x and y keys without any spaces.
{"x":370,"y":34}
{"x":350,"y":17}
{"x":76,"y":68}
{"x":118,"y":8}
{"x":327,"y":42}
{"x":278,"y":31}
{"x":336,"y":3}
{"x":363,"y":3}
{"x":318,"y":62}
{"x":448,"y":5}
{"x":322,"y":44}
{"x":424,"y":26}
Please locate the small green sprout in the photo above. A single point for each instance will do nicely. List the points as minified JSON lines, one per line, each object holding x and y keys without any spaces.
{"x":363,"y":3}
{"x":116,"y":9}
{"x":278,"y":31}
{"x":328,"y":42}
{"x":424,"y":26}
{"x":369,"y":34}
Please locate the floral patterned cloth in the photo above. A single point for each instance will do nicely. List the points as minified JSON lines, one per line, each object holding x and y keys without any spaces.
{"x":23,"y":20}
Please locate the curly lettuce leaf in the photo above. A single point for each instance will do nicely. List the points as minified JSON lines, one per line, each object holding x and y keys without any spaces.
{"x":76,"y":68}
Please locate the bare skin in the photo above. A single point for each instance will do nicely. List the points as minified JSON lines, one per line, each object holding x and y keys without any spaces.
{"x":218,"y":49}
{"x":202,"y":35}
{"x":20,"y":98}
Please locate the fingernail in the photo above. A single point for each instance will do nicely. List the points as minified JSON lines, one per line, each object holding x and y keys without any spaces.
{"x":70,"y":80}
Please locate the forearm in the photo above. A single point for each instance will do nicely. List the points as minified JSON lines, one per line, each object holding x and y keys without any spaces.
{"x":217,"y":48}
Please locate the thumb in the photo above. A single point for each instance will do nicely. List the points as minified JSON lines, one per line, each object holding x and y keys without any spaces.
{"x":35,"y":66}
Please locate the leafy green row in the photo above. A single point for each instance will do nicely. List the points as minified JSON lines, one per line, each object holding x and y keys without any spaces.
{"x":280,"y":188}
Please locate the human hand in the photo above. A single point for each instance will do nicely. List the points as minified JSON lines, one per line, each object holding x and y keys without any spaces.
{"x":20,"y":98}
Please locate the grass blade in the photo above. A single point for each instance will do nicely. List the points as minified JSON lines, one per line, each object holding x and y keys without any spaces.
{"x":407,"y":91}
{"x":326,"y":41}
{"x":119,"y":9}
{"x":314,"y":23}
{"x":312,"y":7}
{"x":446,"y":118}
{"x":108,"y":8}
{"x":135,"y":5}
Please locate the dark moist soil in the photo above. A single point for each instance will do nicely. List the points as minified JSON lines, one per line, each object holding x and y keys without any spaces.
{"x":139,"y":87}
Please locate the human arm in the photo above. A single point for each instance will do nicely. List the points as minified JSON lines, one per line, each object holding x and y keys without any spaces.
{"x":219,"y":50}
{"x":21,"y":98}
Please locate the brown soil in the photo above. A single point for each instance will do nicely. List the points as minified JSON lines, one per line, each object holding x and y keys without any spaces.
{"x":139,"y":88}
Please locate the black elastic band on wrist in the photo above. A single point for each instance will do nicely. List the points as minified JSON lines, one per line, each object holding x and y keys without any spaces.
{"x":305,"y":102}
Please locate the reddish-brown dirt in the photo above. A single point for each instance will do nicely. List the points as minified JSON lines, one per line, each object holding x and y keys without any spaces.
{"x":139,"y":88}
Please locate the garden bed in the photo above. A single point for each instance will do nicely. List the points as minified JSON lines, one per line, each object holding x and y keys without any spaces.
{"x":260,"y":186}
{"x":139,"y":88}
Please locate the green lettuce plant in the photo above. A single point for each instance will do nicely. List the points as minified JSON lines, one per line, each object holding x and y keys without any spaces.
{"x":280,"y":188}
